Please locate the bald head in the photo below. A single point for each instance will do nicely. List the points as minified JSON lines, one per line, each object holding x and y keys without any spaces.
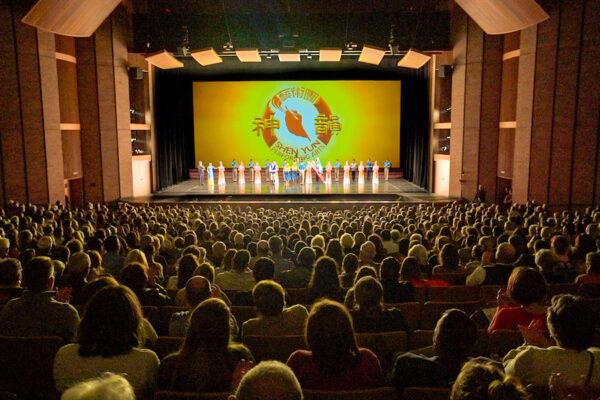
{"x":269,"y":380}
{"x":197,"y":289}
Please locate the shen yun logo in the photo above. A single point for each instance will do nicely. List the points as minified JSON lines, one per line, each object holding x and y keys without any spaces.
{"x":297,"y":123}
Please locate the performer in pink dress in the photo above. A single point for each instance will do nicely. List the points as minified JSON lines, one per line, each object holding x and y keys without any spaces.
{"x":328,"y":169}
{"x":375,"y":173}
{"x":346,"y":174}
{"x":221,"y":168}
{"x":257,"y":180}
{"x":241,"y":174}
{"x":361,"y":174}
{"x":308,"y":173}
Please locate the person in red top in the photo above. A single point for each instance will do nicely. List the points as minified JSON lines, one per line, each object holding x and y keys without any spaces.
{"x":334,"y":361}
{"x":411,"y":272}
{"x":523,"y":302}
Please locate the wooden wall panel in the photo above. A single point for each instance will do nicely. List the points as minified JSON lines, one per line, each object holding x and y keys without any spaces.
{"x":67,"y":84}
{"x":565,"y":103}
{"x":65,"y":44}
{"x":71,"y":148}
{"x":472,"y":118}
{"x":459,"y":33}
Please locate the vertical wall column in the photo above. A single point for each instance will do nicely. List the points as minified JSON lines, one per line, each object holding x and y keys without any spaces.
{"x":30,"y":121}
{"x":104,"y":110}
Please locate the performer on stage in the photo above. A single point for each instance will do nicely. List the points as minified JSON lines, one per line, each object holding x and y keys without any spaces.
{"x":302,"y":170}
{"x":336,"y":167}
{"x":387,"y":164}
{"x":251,"y":165}
{"x":201,"y":170}
{"x":295,"y":170}
{"x":375,"y":173}
{"x":211,"y":174}
{"x":221,"y":180}
{"x":346,"y":173}
{"x":353,"y":169}
{"x":274,"y":169}
{"x":308,"y":173}
{"x":257,"y":180}
{"x":369,"y":168}
{"x":234,"y":169}
{"x":328,"y":169}
{"x":241,"y":173}
{"x":286,"y":171}
{"x":268,"y":168}
{"x":361,"y":174}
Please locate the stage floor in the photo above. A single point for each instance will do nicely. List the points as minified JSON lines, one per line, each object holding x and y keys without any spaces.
{"x":392,"y":191}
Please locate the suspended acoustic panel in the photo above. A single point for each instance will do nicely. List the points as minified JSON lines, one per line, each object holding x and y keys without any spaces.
{"x":248,"y":55}
{"x":330,"y":55}
{"x":164,"y":60}
{"x":289,"y":56}
{"x":78,"y":18}
{"x":498,"y":17}
{"x":413,"y":59}
{"x":371,"y":54}
{"x":206,"y":57}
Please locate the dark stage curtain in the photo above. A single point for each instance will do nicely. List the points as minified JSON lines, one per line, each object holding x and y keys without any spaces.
{"x":174,"y":129}
{"x":414,"y":128}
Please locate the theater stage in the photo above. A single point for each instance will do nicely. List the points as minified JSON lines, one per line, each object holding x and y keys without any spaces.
{"x":392,"y":191}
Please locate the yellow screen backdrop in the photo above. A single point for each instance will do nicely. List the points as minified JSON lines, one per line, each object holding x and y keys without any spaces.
{"x":286,"y":120}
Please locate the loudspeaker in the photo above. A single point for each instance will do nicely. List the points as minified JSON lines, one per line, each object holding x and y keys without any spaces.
{"x":444,"y":71}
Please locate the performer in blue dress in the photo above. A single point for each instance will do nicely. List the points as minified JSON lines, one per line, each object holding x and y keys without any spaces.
{"x":234,"y":170}
{"x":387,"y":164}
{"x":251,"y":165}
{"x":211,"y":174}
{"x":302,"y":170}
{"x":369,"y":168}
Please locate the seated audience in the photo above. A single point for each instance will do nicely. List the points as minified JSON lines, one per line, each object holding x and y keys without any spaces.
{"x":208,"y":358}
{"x":108,"y":341}
{"x":394,"y":291}
{"x":299,"y":276}
{"x":592,"y":269}
{"x":282,"y":264}
{"x":269,"y":380}
{"x":362,"y":272}
{"x":36,"y":312}
{"x":10,"y":280}
{"x":480,"y":380}
{"x":549,"y":264}
{"x":75,"y":276}
{"x":325,"y":282}
{"x":523,"y":302}
{"x":186,"y":266}
{"x":107,"y":386}
{"x":112,"y":260}
{"x":454,"y":339}
{"x":569,"y":351}
{"x":449,"y":260}
{"x":135,"y":276}
{"x":240,"y":277}
{"x":274,"y":318}
{"x":264,"y":269}
{"x":370,"y":316}
{"x":498,"y":272}
{"x":334,"y":361}
{"x":410,"y":272}
{"x":349,"y":267}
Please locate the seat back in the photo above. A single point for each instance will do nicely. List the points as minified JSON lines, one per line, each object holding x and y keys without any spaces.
{"x":274,"y":347}
{"x":386,"y":345}
{"x":420,"y":338}
{"x":166,"y":312}
{"x":488,"y":294}
{"x":453,"y":278}
{"x":453,"y":293}
{"x":502,"y":341}
{"x":27,"y":364}
{"x":243,"y":313}
{"x":168,"y":395}
{"x":432,"y":310}
{"x":410,"y":311}
{"x":383,"y":393}
{"x":422,"y":393}
{"x":166,"y":345}
{"x":562,"y":288}
{"x":297,"y":295}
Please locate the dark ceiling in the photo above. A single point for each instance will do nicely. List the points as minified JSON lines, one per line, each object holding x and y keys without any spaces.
{"x":289,"y":24}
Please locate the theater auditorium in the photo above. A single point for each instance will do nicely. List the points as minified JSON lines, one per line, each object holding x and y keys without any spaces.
{"x":299,"y":199}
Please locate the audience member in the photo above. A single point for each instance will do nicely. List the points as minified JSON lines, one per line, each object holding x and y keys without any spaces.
{"x":394,"y":291}
{"x":240,"y":277}
{"x":370,"y":314}
{"x":325,"y":282}
{"x":480,"y":380}
{"x":269,"y":380}
{"x":107,"y":386}
{"x":299,"y":276}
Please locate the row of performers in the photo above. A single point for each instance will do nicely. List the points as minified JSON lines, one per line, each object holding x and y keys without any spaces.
{"x":300,"y":172}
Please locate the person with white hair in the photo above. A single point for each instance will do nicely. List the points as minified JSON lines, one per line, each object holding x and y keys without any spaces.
{"x":108,"y":386}
{"x":269,"y":380}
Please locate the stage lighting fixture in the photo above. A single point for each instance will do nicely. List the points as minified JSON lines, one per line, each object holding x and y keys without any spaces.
{"x":164,"y":60}
{"x":330,"y":55}
{"x":248,"y":55}
{"x":207,"y":57}
{"x":497,"y":17}
{"x":413,"y":59}
{"x":289,"y":56}
{"x":371,"y":54}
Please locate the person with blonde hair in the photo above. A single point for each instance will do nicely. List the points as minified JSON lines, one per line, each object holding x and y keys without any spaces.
{"x":485,"y":381}
{"x":107,"y":386}
{"x":269,"y":380}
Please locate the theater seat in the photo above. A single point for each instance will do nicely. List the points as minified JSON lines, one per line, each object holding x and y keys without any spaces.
{"x":502,"y":341}
{"x":27,"y":364}
{"x":432,"y":310}
{"x":386,"y":345}
{"x":243,"y":313}
{"x":417,"y":393}
{"x":410,"y":311}
{"x":488,"y":295}
{"x":384,"y":393}
{"x":166,"y":345}
{"x":166,"y":312}
{"x":274,"y":347}
{"x":454,"y":293}
{"x":420,"y":338}
{"x":453,"y":278}
{"x":562,"y":288}
{"x":166,"y":395}
{"x":297,"y":295}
